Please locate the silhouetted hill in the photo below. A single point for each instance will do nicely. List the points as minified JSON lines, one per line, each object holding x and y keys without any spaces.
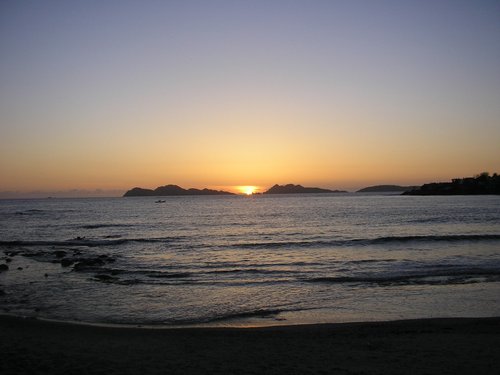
{"x":171,"y":190}
{"x":138,"y":192}
{"x":385,"y":188}
{"x":298,"y":189}
{"x":481,"y":184}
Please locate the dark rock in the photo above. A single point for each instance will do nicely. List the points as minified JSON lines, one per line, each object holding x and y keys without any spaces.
{"x":2,"y":292}
{"x":129,"y":282}
{"x":67,"y":262}
{"x":8,"y":260}
{"x":106,"y":258}
{"x":60,"y":253}
{"x":105,"y":278}
{"x":46,"y":275}
{"x":20,"y":268}
{"x":4,"y":267}
{"x":86,"y":264}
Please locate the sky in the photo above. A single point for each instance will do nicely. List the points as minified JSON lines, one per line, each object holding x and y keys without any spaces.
{"x":110,"y":95}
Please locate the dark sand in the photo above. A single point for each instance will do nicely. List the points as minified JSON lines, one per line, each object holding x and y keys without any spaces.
{"x":437,"y":346}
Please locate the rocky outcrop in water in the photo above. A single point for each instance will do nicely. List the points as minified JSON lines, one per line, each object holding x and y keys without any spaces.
{"x":299,"y":189}
{"x":172,"y":190}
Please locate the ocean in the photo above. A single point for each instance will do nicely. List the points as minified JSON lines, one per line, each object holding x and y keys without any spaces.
{"x":250,"y":261}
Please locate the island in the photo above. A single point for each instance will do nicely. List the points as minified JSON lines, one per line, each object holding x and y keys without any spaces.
{"x":386,"y":189}
{"x":299,"y":189}
{"x":480,"y":184}
{"x":172,"y":190}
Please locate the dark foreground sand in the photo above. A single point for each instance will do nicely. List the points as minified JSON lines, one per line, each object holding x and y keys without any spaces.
{"x":438,"y":346}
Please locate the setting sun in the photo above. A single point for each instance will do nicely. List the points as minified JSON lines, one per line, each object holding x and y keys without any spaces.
{"x":248,"y":190}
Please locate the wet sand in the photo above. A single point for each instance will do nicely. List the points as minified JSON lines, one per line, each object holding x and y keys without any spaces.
{"x":435,"y":346}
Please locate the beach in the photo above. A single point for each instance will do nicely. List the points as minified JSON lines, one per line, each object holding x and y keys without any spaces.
{"x":427,"y":346}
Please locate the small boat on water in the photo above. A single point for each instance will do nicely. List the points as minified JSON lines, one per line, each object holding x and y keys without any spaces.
{"x":160,"y":201}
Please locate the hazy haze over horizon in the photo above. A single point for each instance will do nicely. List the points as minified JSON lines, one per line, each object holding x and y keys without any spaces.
{"x":337,"y":94}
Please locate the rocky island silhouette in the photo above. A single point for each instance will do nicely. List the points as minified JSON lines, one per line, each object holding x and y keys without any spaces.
{"x":483,"y":183}
{"x":175,"y":190}
{"x":299,"y":189}
{"x":172,"y":190}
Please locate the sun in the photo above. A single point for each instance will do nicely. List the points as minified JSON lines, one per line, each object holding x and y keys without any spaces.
{"x":248,"y":190}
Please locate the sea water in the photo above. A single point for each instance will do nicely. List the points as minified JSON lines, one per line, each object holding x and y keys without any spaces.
{"x":246,"y":261}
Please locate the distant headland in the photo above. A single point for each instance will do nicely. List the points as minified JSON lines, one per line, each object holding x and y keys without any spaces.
{"x":299,"y":189}
{"x":480,"y":184}
{"x":386,"y":189}
{"x":172,"y":190}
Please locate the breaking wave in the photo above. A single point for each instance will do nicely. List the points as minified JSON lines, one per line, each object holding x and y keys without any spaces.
{"x":369,"y":241}
{"x":457,"y":276}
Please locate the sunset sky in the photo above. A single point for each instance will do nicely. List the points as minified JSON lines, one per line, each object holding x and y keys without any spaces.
{"x":339,"y":94}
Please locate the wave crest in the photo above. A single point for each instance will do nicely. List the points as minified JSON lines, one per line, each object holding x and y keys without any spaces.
{"x":369,"y":241}
{"x":463,"y":276}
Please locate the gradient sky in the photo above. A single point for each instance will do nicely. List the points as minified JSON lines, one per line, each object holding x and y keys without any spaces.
{"x":340,"y":94}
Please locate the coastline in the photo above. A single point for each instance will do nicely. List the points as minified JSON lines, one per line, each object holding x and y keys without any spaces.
{"x":432,"y":346}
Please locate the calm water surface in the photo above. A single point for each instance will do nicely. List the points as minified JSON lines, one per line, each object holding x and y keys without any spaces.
{"x":258,"y":260}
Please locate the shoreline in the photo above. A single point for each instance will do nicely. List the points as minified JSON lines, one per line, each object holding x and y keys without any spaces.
{"x":242,"y":326}
{"x":433,"y":346}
